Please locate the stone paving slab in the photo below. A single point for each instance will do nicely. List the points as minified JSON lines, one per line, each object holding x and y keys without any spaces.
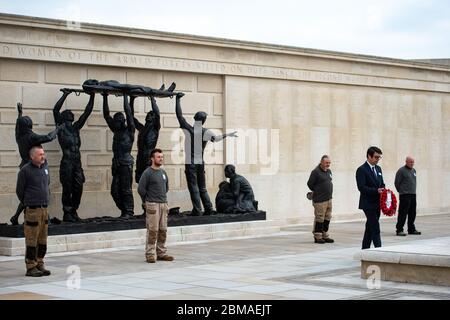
{"x":287,"y":265}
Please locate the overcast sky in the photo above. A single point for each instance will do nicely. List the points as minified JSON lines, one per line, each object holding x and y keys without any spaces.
{"x":406,"y":29}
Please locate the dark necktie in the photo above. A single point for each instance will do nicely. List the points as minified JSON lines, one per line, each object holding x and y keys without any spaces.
{"x":374,"y":172}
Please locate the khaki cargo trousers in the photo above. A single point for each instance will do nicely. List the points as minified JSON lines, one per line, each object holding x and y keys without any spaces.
{"x":35,"y":228}
{"x":156,"y":221}
{"x":322,"y":217}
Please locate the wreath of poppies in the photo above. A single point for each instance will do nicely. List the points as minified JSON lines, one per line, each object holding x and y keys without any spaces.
{"x":388,"y":202}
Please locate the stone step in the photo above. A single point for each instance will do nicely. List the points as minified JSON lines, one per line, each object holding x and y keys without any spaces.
{"x":135,"y":237}
{"x":423,"y":261}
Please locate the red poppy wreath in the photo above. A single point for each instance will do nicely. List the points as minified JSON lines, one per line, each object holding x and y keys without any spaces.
{"x":388,"y":202}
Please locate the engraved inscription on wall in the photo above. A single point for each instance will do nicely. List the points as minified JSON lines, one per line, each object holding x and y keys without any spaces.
{"x":9,"y":50}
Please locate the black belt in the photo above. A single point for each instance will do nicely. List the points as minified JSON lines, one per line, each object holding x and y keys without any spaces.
{"x":36,"y":207}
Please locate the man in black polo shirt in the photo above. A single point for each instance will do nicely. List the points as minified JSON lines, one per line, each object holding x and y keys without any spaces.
{"x":33,"y":192}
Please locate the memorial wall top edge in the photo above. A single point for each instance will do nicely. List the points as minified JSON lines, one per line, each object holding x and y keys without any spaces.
{"x":90,"y":28}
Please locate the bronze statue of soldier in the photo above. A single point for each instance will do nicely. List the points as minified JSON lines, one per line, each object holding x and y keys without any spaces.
{"x":122,"y":163}
{"x":225,"y":198}
{"x":244,"y":198}
{"x":147,"y":136}
{"x":196,"y":138}
{"x":71,"y":173}
{"x":26,"y":139}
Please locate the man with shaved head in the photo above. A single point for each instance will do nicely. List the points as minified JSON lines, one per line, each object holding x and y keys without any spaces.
{"x":32,"y":190}
{"x":405,"y":183}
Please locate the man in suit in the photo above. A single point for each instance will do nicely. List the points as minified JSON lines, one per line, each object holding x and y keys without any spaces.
{"x":369,"y":179}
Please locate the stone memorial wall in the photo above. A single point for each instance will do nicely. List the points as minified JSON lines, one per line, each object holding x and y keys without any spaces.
{"x":289,"y":105}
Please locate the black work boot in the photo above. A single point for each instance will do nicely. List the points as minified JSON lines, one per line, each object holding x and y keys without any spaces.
{"x":44,"y":271}
{"x":34,"y":272}
{"x":166,"y":258}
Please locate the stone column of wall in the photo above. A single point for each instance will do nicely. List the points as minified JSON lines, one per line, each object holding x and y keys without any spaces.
{"x":37,"y":84}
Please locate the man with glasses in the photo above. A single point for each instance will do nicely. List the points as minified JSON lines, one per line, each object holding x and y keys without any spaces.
{"x":369,"y":179}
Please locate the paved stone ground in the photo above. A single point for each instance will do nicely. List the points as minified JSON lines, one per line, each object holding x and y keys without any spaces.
{"x":287,"y":265}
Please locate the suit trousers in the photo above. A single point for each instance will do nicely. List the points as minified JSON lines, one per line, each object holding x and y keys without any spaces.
{"x":372,"y":232}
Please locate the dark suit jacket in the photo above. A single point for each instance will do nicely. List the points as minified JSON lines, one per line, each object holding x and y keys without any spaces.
{"x":368,"y":187}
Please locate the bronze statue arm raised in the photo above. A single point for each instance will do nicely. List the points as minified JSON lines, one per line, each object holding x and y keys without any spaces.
{"x":89,"y":107}
{"x":181,"y":120}
{"x":19,"y":115}
{"x":137,"y":124}
{"x":35,"y":139}
{"x":19,"y":110}
{"x":126,"y":107}
{"x":56,"y":110}
{"x":155,"y":106}
{"x":156,"y":112}
{"x":106,"y":114}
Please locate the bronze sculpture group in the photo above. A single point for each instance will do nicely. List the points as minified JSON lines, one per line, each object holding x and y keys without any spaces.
{"x":234,"y":197}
